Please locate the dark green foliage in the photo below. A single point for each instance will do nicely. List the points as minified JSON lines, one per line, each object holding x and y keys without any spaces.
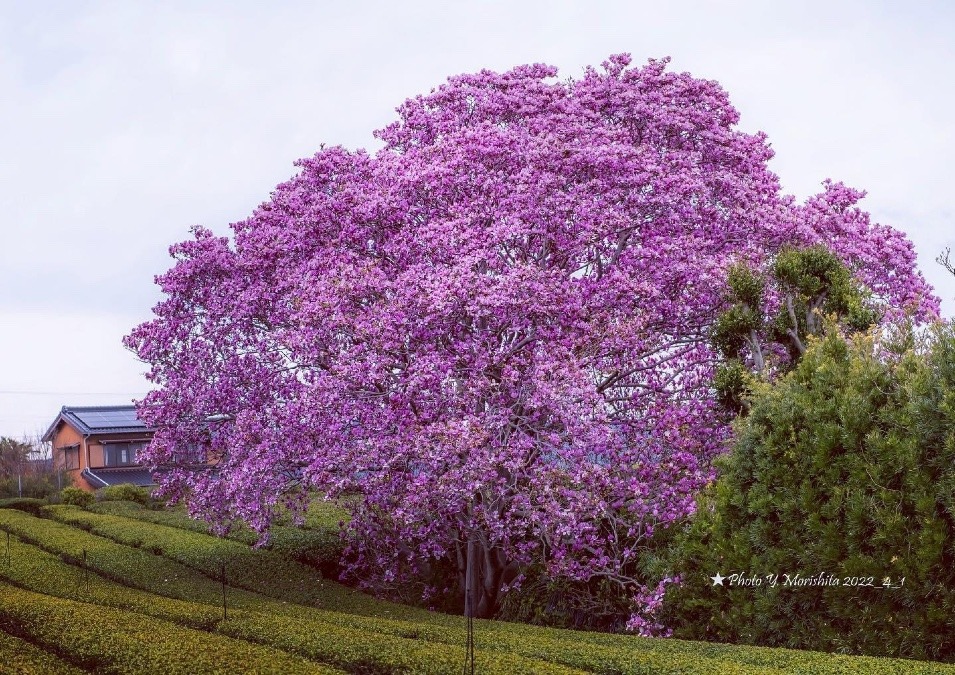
{"x":744,"y":316}
{"x":733,"y":383}
{"x":126,"y":492}
{"x":813,"y":287}
{"x":844,"y":467}
{"x":540,"y":600}
{"x":74,"y":496}
{"x":815,"y":284}
{"x":737,"y":335}
{"x":30,"y":505}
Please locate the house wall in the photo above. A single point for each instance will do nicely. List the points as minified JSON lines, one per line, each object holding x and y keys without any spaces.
{"x":91,"y":454}
{"x":66,"y":436}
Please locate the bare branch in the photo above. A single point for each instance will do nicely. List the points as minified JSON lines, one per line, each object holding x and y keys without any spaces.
{"x":945,"y":260}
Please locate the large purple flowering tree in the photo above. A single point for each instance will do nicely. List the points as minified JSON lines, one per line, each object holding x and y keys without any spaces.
{"x":494,"y":330}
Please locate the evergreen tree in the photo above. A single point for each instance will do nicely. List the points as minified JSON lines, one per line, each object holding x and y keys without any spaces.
{"x":769,"y":318}
{"x":845,"y":466}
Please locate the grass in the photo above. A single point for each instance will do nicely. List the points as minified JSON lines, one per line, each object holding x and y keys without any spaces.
{"x":153,"y":573}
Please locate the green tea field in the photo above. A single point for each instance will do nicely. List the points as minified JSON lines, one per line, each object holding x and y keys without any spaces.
{"x":124,"y":589}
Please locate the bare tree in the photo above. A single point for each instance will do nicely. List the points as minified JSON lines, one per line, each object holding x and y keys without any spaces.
{"x":26,"y":468}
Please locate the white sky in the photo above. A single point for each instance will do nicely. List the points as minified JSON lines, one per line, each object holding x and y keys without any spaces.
{"x":124,"y":123}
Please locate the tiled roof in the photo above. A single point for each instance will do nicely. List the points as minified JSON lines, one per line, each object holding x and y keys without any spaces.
{"x":117,"y":476}
{"x":98,"y":420}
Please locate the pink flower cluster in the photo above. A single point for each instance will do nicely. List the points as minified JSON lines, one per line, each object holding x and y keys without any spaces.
{"x":647,"y":603}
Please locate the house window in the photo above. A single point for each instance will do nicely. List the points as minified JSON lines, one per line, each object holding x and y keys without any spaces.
{"x":121,"y":454}
{"x":71,"y":457}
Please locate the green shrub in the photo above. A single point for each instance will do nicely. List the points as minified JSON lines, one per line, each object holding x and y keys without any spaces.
{"x":124,"y":492}
{"x":22,"y":658}
{"x":844,"y":467}
{"x":104,"y":639}
{"x":30,"y":505}
{"x":76,"y":497}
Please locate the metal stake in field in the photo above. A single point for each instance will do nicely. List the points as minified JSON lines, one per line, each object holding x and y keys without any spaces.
{"x":222,"y":576}
{"x":469,"y":643}
{"x":8,"y":549}
{"x":86,"y":572}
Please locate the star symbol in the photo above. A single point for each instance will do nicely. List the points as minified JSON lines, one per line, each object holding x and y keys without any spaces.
{"x":718,"y":579}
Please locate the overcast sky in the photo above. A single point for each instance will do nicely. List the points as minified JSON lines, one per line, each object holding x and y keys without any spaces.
{"x":124,"y":123}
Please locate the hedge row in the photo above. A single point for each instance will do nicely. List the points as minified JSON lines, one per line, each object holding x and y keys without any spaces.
{"x":27,"y":504}
{"x":366,"y":647}
{"x":144,"y":570}
{"x":22,"y":658}
{"x":590,"y":651}
{"x":34,"y":569}
{"x":390,"y":644}
{"x":357,"y":650}
{"x":298,"y":626}
{"x":111,"y":640}
{"x":135,"y":567}
{"x":358,"y":641}
{"x":256,"y":570}
{"x":766,"y":658}
{"x":318,"y":546}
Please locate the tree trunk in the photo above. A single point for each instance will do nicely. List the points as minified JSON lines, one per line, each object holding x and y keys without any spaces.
{"x":483,"y":573}
{"x":470,"y":579}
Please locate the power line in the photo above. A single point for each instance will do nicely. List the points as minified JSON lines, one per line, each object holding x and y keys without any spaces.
{"x":71,"y":393}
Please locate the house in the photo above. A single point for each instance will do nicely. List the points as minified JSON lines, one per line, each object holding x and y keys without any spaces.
{"x":100,"y":445}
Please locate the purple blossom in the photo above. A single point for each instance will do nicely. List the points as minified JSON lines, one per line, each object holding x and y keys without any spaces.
{"x":494,"y":329}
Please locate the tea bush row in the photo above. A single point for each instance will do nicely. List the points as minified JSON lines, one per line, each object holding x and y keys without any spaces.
{"x":34,"y":569}
{"x":317,"y":547}
{"x":30,"y":505}
{"x":366,"y":642}
{"x":22,"y":658}
{"x":131,"y":566}
{"x":355,"y":649}
{"x":256,"y":570}
{"x":366,"y":647}
{"x":106,"y":639}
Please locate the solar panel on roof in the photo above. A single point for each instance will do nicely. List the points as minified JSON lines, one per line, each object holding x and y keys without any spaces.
{"x":100,"y":419}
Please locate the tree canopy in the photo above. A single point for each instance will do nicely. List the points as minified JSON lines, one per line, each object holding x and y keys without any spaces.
{"x":495,"y":329}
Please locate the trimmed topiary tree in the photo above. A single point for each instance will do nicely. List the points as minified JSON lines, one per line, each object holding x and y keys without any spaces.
{"x":832,"y":526}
